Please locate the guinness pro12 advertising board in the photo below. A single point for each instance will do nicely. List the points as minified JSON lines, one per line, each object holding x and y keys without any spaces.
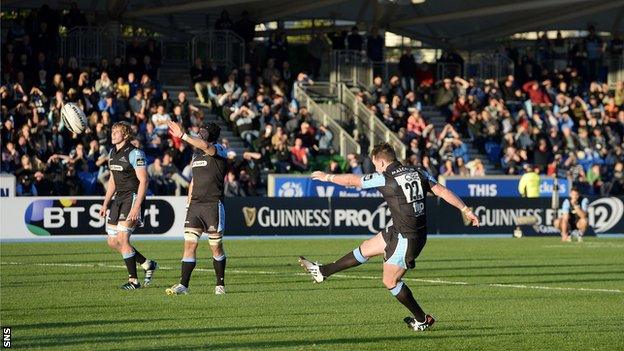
{"x":339,"y":216}
{"x":310,"y":216}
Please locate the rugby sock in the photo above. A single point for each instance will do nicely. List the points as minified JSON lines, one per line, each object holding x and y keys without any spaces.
{"x":140,"y":259}
{"x":188,"y":264}
{"x":404,"y":295}
{"x":352,"y":259}
{"x":219,"y":267}
{"x":130,"y":260}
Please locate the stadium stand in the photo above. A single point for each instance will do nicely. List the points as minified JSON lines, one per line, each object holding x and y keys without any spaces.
{"x":553,"y":110}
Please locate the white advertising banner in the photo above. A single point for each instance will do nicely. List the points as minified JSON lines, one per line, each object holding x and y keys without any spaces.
{"x":7,"y":185}
{"x":78,"y":217}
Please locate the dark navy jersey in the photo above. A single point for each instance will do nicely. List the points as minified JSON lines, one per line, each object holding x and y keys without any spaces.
{"x":208,"y":175}
{"x":405,"y":190}
{"x":567,"y":207}
{"x":123,"y":164}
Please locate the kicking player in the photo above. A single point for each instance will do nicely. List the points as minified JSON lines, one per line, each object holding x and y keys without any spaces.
{"x":128,"y":183}
{"x":404,"y":188}
{"x":574,"y":215}
{"x":205,"y":213}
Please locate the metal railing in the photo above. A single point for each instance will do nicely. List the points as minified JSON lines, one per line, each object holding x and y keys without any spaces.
{"x":91,"y":44}
{"x":351,"y":67}
{"x":174,"y":53}
{"x":488,"y":66}
{"x":367,"y":122}
{"x":342,"y":142}
{"x":448,"y":70}
{"x":224,"y":47}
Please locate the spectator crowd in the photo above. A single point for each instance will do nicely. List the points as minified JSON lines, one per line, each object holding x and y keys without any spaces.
{"x":556,"y":116}
{"x":559,"y":117}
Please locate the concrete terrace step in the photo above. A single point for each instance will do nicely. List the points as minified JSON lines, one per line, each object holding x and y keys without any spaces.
{"x":236,"y":143}
{"x":433,"y":116}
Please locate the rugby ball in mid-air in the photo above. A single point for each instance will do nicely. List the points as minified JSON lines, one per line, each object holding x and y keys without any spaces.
{"x":74,"y":118}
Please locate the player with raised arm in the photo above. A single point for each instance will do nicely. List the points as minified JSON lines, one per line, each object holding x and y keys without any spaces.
{"x":205,"y":212}
{"x":404,"y":188}
{"x":128,"y":183}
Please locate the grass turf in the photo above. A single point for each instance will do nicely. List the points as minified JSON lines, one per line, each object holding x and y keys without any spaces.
{"x":271,"y":305}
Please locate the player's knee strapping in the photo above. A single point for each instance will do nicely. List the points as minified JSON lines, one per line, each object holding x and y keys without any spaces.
{"x":191,"y":235}
{"x":215,"y":239}
{"x":112,"y":231}
{"x":397,"y":289}
{"x":124,"y":229}
{"x":357,"y":253}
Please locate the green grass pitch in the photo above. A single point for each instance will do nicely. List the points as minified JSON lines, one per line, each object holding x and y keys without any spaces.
{"x":490,"y":294}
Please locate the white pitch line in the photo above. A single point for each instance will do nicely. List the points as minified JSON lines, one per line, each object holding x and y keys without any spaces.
{"x":538,"y":287}
{"x":432,"y":281}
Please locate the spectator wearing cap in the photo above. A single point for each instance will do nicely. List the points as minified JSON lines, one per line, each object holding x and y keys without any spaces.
{"x":243,"y":117}
{"x":325,"y":138}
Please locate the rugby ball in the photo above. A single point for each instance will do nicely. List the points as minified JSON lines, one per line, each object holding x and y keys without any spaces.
{"x":74,"y":118}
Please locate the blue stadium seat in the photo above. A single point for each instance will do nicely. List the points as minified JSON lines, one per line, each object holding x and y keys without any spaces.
{"x":89,"y":182}
{"x":493,"y":151}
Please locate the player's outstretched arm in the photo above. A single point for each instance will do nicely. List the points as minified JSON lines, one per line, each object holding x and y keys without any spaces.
{"x":451,"y":198}
{"x":340,"y":179}
{"x":199,"y":143}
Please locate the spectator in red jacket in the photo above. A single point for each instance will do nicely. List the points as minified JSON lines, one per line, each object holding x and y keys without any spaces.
{"x":538,"y":97}
{"x":536,"y":94}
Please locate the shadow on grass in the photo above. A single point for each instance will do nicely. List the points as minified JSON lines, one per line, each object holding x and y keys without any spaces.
{"x":86,"y":323}
{"x":353,"y":342}
{"x":48,"y":340}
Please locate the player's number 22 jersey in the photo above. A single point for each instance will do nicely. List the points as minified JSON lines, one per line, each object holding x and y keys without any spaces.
{"x":405,"y":190}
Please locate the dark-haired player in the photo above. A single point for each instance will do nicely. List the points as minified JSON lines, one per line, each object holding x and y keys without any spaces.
{"x":205,"y":213}
{"x":573,"y":217}
{"x":404,"y":188}
{"x":128,"y":183}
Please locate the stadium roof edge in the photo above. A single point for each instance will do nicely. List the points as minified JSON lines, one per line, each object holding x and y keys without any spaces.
{"x":440,"y":23}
